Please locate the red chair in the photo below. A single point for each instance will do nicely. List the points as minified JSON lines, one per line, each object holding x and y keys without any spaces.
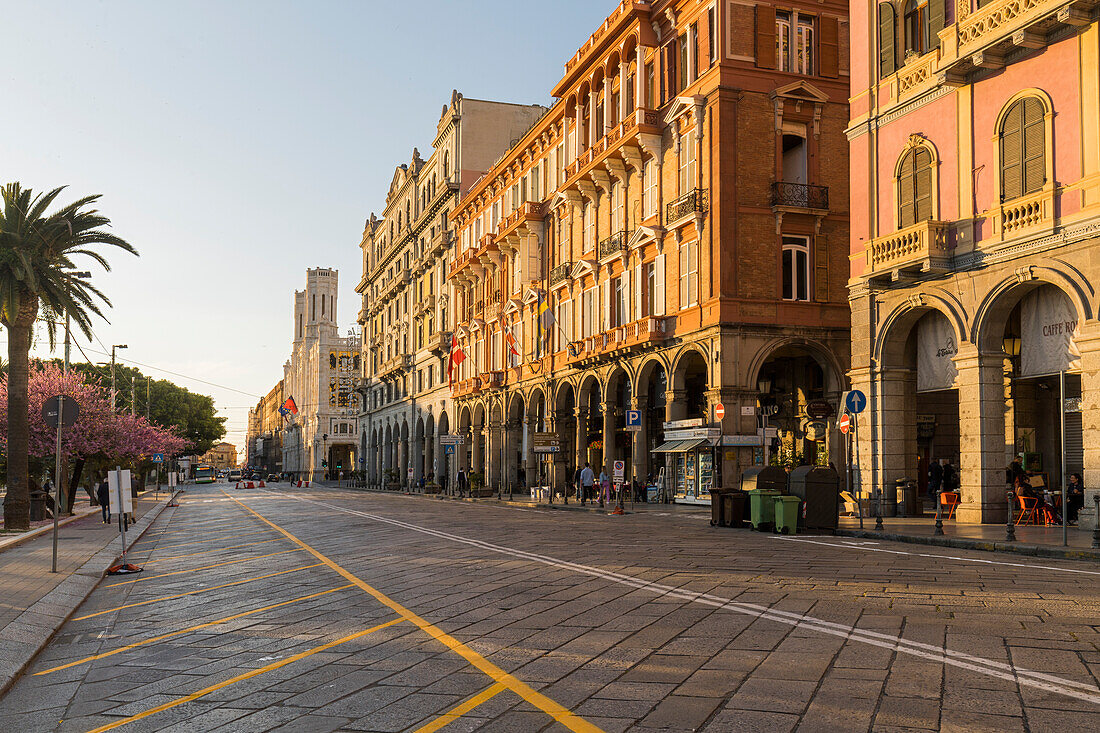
{"x":1027,"y":513}
{"x":949,"y":500}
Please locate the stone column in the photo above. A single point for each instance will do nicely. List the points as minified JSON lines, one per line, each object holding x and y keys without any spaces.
{"x":593,"y":103}
{"x":1088,"y":342}
{"x":608,"y":110}
{"x":981,"y":436}
{"x":609,"y":455}
{"x":530,"y":463}
{"x":623,"y":111}
{"x":674,"y":404}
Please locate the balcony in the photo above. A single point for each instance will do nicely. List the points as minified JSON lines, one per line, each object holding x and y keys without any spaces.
{"x":493,"y":380}
{"x":560,"y":273}
{"x":694,"y":203}
{"x":615,"y":244}
{"x":642,"y":126}
{"x":1027,"y":215}
{"x":466,"y":387}
{"x":982,"y":38}
{"x":439,"y":342}
{"x":799,"y":197}
{"x":395,"y":366}
{"x":922,"y":247}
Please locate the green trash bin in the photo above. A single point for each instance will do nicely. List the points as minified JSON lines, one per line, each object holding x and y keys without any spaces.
{"x":787,"y":509}
{"x":762,"y":508}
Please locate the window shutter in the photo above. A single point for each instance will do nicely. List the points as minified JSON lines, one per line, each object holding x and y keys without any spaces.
{"x":605,"y":305}
{"x":659,"y":296}
{"x":886,"y":24}
{"x":937,"y":10}
{"x":765,"y":36}
{"x":625,"y":300}
{"x":821,"y":269}
{"x":637,"y":292}
{"x":829,"y":63}
{"x":1034,"y":144}
{"x":1011,"y":153}
{"x":702,"y":44}
{"x":922,"y":185}
{"x":906,"y":192}
{"x":671,"y":54}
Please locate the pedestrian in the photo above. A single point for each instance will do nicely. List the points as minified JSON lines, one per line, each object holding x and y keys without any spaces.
{"x":577,"y":486}
{"x":461,"y":481}
{"x":521,"y":477}
{"x":950,"y":476}
{"x":935,"y":478}
{"x":1015,"y":470}
{"x":588,"y":479}
{"x":103,"y":496}
{"x":605,"y":487}
{"x":1075,"y":497}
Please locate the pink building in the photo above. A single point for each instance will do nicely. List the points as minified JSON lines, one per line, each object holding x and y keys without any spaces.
{"x":975,"y":168}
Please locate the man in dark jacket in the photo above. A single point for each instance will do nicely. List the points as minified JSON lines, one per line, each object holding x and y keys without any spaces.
{"x":102,"y":495}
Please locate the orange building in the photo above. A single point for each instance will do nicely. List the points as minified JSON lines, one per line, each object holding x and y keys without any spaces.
{"x":680,"y":214}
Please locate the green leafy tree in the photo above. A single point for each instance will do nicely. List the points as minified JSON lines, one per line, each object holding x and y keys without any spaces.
{"x":37,"y":251}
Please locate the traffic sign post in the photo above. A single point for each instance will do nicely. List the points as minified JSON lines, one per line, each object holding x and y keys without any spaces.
{"x":855,"y":401}
{"x":845,"y":423}
{"x":633,"y":420}
{"x":719,"y":412}
{"x":58,"y":412}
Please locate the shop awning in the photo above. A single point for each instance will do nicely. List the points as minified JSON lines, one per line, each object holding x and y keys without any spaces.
{"x":681,"y":446}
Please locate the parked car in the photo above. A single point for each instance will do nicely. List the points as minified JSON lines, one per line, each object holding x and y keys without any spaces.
{"x":233,"y":476}
{"x":272,"y":477}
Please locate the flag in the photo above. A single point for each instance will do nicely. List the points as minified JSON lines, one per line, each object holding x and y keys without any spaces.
{"x":512,"y":343}
{"x":457,"y":357}
{"x":289,"y":407}
{"x":546,"y":316}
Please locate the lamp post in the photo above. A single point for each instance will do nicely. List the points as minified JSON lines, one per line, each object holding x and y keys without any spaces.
{"x":113,"y":391}
{"x":324,"y":456}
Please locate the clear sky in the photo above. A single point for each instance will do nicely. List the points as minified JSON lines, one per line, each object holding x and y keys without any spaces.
{"x":238,"y":143}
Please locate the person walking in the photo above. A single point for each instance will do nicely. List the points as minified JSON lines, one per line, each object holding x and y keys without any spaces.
{"x":1075,"y":497}
{"x":461,"y":481}
{"x":577,"y":484}
{"x":103,"y":496}
{"x":935,"y":478}
{"x":588,"y":480}
{"x":605,"y":488}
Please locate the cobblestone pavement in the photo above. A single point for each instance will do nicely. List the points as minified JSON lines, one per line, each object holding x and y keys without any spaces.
{"x":324,"y":609}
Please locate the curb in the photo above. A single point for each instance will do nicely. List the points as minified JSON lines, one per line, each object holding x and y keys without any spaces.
{"x":1062,"y":553}
{"x":30,"y":535}
{"x":30,"y":632}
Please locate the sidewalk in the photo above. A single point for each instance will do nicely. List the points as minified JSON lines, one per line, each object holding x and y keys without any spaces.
{"x":1030,"y":539}
{"x":35,"y":601}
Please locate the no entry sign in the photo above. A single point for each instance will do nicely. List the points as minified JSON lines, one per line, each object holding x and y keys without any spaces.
{"x":845,"y":423}
{"x":719,"y":411}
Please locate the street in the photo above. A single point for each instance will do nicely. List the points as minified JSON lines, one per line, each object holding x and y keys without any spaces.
{"x":326,"y":609}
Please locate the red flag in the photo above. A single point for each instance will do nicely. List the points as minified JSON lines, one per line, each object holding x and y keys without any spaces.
{"x":290,"y":407}
{"x":457,"y":357}
{"x":511,"y":341}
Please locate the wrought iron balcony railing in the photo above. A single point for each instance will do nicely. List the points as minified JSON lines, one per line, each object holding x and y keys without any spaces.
{"x":617,"y":242}
{"x":560,"y":272}
{"x":694,"y":201}
{"x":800,"y":195}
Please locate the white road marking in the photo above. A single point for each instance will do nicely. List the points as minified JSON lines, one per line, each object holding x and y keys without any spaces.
{"x":862,"y":546}
{"x":1069,"y":688}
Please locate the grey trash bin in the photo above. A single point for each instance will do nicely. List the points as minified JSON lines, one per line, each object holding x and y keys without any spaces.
{"x":819,"y":487}
{"x":764,"y":477}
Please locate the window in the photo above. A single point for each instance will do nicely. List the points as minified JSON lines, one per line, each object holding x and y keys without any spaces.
{"x":650,"y":86}
{"x":1023,"y":149}
{"x":685,"y":62}
{"x":650,"y":187}
{"x":712,"y":35}
{"x":796,"y":268}
{"x":588,"y":314}
{"x":693,"y":45}
{"x":536,"y":179}
{"x":588,"y":216}
{"x":917,"y":27}
{"x":794,"y":159}
{"x":649,"y":302}
{"x":564,"y":334}
{"x":689,"y":274}
{"x":496,"y":216}
{"x":915,"y":187}
{"x":687,"y":162}
{"x":794,"y":42}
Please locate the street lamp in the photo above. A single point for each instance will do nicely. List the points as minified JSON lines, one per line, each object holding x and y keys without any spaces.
{"x":324,"y":454}
{"x":113,"y":347}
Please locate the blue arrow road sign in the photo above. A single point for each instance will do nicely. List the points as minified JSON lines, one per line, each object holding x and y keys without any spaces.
{"x":633,"y":418}
{"x":158,"y":458}
{"x":855,"y":402}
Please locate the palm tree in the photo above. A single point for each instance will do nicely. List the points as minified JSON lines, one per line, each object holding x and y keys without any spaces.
{"x":36,"y":262}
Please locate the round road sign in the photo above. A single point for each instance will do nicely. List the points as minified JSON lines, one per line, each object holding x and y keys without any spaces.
{"x":719,"y":411}
{"x":69,"y":412}
{"x":845,"y":423}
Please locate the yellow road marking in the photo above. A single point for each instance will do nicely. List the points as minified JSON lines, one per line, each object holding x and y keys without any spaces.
{"x":218,"y":549}
{"x":219,"y":527}
{"x":199,"y":542}
{"x":542,"y":702}
{"x":245,"y":676}
{"x":462,"y":708}
{"x":204,"y":567}
{"x":162,"y":637}
{"x":194,"y":592}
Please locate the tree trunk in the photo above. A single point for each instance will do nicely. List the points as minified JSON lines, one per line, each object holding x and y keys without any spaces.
{"x":17,"y":505}
{"x":74,"y":483}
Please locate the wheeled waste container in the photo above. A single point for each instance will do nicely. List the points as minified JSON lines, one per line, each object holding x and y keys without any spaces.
{"x":717,"y":507}
{"x":762,"y":508}
{"x":734,"y":506}
{"x":819,"y":487}
{"x":787,"y":510}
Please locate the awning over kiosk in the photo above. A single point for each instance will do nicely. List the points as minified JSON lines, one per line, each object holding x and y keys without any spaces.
{"x":681,"y":446}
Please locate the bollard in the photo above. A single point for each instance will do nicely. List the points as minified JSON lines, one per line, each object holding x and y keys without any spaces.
{"x":1096,"y":529}
{"x":1010,"y":526}
{"x":939,"y":515}
{"x":878,"y":512}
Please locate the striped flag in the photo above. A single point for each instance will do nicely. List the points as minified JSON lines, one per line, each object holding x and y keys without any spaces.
{"x":510,"y":339}
{"x":457,"y":357}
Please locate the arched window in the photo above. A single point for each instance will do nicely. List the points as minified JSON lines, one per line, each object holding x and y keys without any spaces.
{"x":917,"y":27}
{"x":1023,"y":148}
{"x":915,"y":187}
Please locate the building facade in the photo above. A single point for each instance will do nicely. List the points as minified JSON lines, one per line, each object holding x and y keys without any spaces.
{"x":407,"y":315}
{"x":221,"y":457}
{"x":666,"y":246}
{"x":265,"y":432}
{"x":975,"y":153}
{"x":321,"y":376}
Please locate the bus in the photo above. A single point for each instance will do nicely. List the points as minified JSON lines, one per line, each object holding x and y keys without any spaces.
{"x":204,"y":475}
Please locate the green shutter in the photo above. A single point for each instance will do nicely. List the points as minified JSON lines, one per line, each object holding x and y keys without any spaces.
{"x":937,"y":9}
{"x":1034,"y":146}
{"x":922,"y":194}
{"x":1011,"y":153}
{"x":906,"y":187}
{"x":886,"y":23}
